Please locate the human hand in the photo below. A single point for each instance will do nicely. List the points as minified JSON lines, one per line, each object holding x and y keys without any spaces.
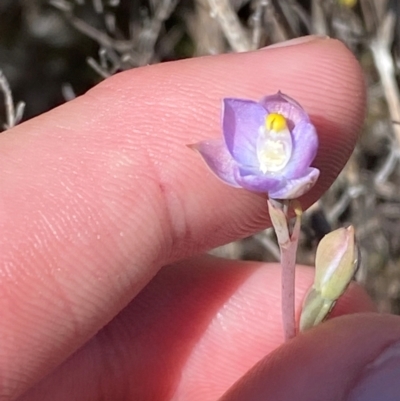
{"x":99,"y":194}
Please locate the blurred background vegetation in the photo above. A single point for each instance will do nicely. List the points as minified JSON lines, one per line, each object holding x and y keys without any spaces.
{"x":54,"y":50}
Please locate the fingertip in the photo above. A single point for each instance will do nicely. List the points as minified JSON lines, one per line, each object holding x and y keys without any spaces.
{"x":322,"y":364}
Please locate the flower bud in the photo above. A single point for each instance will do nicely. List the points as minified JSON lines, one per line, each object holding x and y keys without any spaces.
{"x":335,"y":265}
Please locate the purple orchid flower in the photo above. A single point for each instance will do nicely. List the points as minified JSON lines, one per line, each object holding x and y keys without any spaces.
{"x":267,"y":146}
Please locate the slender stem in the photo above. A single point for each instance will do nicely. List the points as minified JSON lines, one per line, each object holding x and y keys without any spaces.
{"x":288,"y":242}
{"x":288,"y":262}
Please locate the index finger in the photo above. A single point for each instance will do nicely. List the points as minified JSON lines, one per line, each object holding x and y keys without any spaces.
{"x":99,"y":193}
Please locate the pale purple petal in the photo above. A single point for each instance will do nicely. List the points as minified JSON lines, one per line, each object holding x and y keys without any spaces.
{"x":305,"y":146}
{"x":218,"y":159}
{"x":257,"y":182}
{"x":286,"y":106}
{"x":241,"y":121}
{"x":234,"y":159}
{"x":294,"y":188}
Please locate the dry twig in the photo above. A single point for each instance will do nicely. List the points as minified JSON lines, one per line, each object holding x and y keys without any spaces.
{"x":230,"y":25}
{"x":380,"y":48}
{"x":13,"y":114}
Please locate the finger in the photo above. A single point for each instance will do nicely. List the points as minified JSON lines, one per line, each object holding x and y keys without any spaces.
{"x":351,"y":358}
{"x":98,"y":194}
{"x":193,"y":331}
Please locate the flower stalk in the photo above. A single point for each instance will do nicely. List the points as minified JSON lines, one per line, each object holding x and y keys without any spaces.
{"x":288,"y":239}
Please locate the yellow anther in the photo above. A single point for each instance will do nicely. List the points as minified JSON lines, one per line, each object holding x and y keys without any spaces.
{"x":275,"y":122}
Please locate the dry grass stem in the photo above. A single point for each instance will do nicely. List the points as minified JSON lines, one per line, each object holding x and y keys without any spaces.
{"x":380,"y":48}
{"x":13,"y":114}
{"x":231,"y":27}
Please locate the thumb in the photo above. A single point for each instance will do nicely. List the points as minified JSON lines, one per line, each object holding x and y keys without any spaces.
{"x":351,"y":358}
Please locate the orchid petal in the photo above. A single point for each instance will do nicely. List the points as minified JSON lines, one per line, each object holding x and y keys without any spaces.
{"x":305,"y":146}
{"x":286,"y":106}
{"x":218,"y":159}
{"x":257,"y":182}
{"x":241,"y":121}
{"x":294,"y":188}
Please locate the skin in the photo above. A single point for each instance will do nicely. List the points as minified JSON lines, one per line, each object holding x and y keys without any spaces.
{"x":99,"y":194}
